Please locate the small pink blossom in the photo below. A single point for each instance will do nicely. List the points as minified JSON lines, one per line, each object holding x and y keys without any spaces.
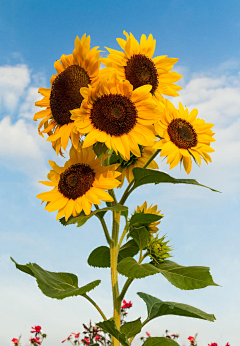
{"x":126,"y":305}
{"x":149,"y":336}
{"x":15,"y":341}
{"x":213,"y":344}
{"x":97,"y":337}
{"x":191,"y":338}
{"x":36,"y":329}
{"x":227,"y":344}
{"x":36,"y":340}
{"x":87,"y":340}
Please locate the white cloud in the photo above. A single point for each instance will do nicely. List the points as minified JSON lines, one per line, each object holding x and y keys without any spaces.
{"x":28,"y":108}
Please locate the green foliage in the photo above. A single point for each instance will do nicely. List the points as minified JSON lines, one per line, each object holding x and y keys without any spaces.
{"x":131,"y":328}
{"x":56,"y":285}
{"x":100,"y":149}
{"x":185,"y":278}
{"x":141,"y":236}
{"x":82,"y":218}
{"x":160,"y":342}
{"x":110,"y":327}
{"x":157,"y":307}
{"x":144,"y":176}
{"x":100,"y":257}
{"x":140,"y":219}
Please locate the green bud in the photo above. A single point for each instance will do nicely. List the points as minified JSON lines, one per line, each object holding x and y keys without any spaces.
{"x":158,"y":249}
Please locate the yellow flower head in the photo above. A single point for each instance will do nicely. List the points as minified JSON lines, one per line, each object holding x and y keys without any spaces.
{"x":80,"y":183}
{"x":152,"y":228}
{"x":137,"y":65}
{"x":73,"y":72}
{"x":183,"y":136}
{"x":115,"y":114}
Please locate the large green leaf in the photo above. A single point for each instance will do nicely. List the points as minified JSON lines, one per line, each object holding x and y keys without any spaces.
{"x":144,"y":176}
{"x":131,"y":328}
{"x":141,"y":236}
{"x":100,"y":257}
{"x":160,"y":341}
{"x":157,"y":307}
{"x":110,"y":327}
{"x":56,"y":285}
{"x":82,"y":218}
{"x":185,"y":278}
{"x":140,"y":219}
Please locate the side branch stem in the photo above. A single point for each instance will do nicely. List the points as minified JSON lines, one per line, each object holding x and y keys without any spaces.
{"x":104,"y":226}
{"x":95,"y":305}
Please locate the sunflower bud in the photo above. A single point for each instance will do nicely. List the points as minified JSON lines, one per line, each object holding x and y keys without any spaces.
{"x":158,"y":249}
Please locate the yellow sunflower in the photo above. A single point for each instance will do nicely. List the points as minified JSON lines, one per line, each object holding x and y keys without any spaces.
{"x":73,"y":72}
{"x":137,"y":65}
{"x":79,"y":184}
{"x":126,"y":167}
{"x":152,"y":228}
{"x":183,"y":136}
{"x":114,"y":114}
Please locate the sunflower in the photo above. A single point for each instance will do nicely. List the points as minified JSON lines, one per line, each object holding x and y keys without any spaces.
{"x":152,"y":228}
{"x":126,"y":167}
{"x":137,"y":65}
{"x":114,"y":114}
{"x":73,"y":72}
{"x":79,"y":184}
{"x":183,"y":136}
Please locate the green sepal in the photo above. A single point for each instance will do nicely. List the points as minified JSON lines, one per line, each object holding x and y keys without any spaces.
{"x":157,"y":307}
{"x":185,"y":278}
{"x":140,"y":219}
{"x":160,"y":341}
{"x":141,"y":236}
{"x":110,"y":327}
{"x":144,"y":176}
{"x":56,"y":285}
{"x":100,"y":257}
{"x":131,"y":328}
{"x":82,"y":218}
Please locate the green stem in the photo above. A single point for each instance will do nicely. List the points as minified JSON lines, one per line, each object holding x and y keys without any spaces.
{"x":95,"y":305}
{"x":127,"y":192}
{"x":104,"y":226}
{"x":112,"y":193}
{"x":122,"y":236}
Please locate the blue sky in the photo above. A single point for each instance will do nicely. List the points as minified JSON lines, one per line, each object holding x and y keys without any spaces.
{"x":203,"y":225}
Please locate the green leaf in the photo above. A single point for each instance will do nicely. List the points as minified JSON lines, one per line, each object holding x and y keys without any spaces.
{"x":157,"y":307}
{"x":130,"y":268}
{"x":100,"y":149}
{"x":131,"y":328}
{"x":156,"y":341}
{"x":100,"y":257}
{"x":82,"y":218}
{"x":186,"y":278}
{"x":129,"y":249}
{"x":141,"y":236}
{"x":144,"y":176}
{"x":110,"y":327}
{"x":56,"y":285}
{"x":140,"y":219}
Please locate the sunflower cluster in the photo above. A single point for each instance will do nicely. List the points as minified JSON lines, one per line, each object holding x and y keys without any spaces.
{"x":121,"y":106}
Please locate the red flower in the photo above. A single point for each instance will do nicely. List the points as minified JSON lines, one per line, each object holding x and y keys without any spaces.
{"x":36,"y":340}
{"x":68,"y":338}
{"x":126,"y":305}
{"x":227,"y":344}
{"x":15,"y":341}
{"x":191,"y":338}
{"x":97,"y":337}
{"x":87,"y":340}
{"x":36,"y":329}
{"x":76,"y":335}
{"x":213,"y":344}
{"x":148,"y":335}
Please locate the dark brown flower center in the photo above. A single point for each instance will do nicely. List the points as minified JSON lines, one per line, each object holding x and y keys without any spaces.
{"x":182,"y":133}
{"x":65,"y":94}
{"x":141,"y":70}
{"x":114,"y":114}
{"x":76,"y":180}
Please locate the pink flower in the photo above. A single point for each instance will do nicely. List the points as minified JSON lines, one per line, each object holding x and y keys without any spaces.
{"x":76,"y":335}
{"x":191,"y":338}
{"x":126,"y":305}
{"x":97,"y":337}
{"x":227,"y":344}
{"x":87,"y":340}
{"x":15,"y":341}
{"x":68,"y":338}
{"x":36,"y":329}
{"x":149,"y":336}
{"x":36,"y":340}
{"x":213,"y":344}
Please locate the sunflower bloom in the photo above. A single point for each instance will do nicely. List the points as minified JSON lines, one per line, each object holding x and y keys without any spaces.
{"x":184,"y":136}
{"x":73,"y":72}
{"x":126,"y":167}
{"x":137,"y":65}
{"x":80,"y":183}
{"x":114,"y":114}
{"x":152,"y":228}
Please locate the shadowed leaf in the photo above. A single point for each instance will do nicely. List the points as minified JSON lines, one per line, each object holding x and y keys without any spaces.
{"x":110,"y":327}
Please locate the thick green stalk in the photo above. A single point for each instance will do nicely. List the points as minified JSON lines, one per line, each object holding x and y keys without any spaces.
{"x":114,"y":273}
